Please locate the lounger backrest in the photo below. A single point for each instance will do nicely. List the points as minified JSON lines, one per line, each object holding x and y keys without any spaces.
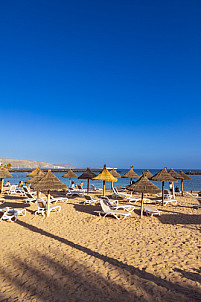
{"x":29,"y":195}
{"x":104,"y":206}
{"x":87,"y":197}
{"x":1,"y":214}
{"x":41,"y":204}
{"x":93,"y":187}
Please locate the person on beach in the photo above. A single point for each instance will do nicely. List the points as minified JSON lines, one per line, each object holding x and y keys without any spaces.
{"x":20,"y":184}
{"x":170,"y":187}
{"x":177,"y":189}
{"x":7,"y":184}
{"x":81,"y":184}
{"x":73,"y":184}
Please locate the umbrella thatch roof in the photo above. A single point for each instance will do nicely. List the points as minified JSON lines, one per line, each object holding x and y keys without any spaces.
{"x":70,"y":174}
{"x":105,"y":175}
{"x":130,"y":174}
{"x":4,"y":173}
{"x":88,"y":174}
{"x":163,"y":175}
{"x":185,"y":176}
{"x":49,"y":182}
{"x":148,"y":174}
{"x":174,"y":174}
{"x":36,"y":178}
{"x":143,"y":185}
{"x":114,"y":173}
{"x":35,"y":172}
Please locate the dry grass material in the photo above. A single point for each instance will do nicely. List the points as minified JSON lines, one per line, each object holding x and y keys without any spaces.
{"x":185,"y":176}
{"x":35,"y":172}
{"x":163,"y":175}
{"x":36,"y":178}
{"x":49,"y":182}
{"x":70,"y":174}
{"x":174,"y":174}
{"x":4,"y":173}
{"x":105,"y":175}
{"x":75,"y":255}
{"x":131,"y":174}
{"x":88,"y":174}
{"x":143,"y":185}
{"x":115,"y":173}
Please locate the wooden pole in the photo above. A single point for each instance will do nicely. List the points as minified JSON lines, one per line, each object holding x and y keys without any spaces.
{"x":111,"y":185}
{"x":88,"y":186}
{"x":48,"y":203}
{"x":182,"y":187}
{"x":141,"y":207}
{"x":69,"y":182}
{"x":173,"y":190}
{"x":163,"y":193}
{"x":103,"y":187}
{"x":131,"y":181}
{"x":38,"y":193}
{"x":1,"y":185}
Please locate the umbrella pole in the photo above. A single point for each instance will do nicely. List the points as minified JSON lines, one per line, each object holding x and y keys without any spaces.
{"x":141,"y":207}
{"x":1,"y":185}
{"x":173,"y":190}
{"x":131,"y":181}
{"x":163,"y":193}
{"x":38,"y":193}
{"x":111,"y":185}
{"x":103,"y":187}
{"x":88,"y":186}
{"x":69,"y":182}
{"x":182,"y":187}
{"x":48,"y":203}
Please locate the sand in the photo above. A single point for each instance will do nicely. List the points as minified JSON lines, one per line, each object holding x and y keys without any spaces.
{"x":75,"y":255}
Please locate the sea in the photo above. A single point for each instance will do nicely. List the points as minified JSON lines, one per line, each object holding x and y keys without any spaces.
{"x":194,"y":184}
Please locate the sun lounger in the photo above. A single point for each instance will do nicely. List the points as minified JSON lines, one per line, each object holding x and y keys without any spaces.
{"x":30,"y":198}
{"x":2,"y":201}
{"x":149,"y":210}
{"x":42,"y":208}
{"x":125,"y":207}
{"x":11,"y":190}
{"x":25,"y":189}
{"x":90,"y":200}
{"x":134,"y":200}
{"x":113,"y":202}
{"x":120,"y":215}
{"x":55,"y":199}
{"x":19,"y":211}
{"x":95,"y":189}
{"x":6,"y":215}
{"x":167,"y":201}
{"x":117,"y":194}
{"x":190,"y":194}
{"x":199,"y":200}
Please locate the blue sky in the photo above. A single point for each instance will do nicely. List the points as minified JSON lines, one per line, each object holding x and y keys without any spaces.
{"x":94,"y":82}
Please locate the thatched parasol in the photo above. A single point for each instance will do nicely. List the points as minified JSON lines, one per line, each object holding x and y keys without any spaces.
{"x":35,"y":179}
{"x":163,"y":176}
{"x":88,"y":174}
{"x":115,"y":174}
{"x":143,"y":185}
{"x":176,"y":175}
{"x":148,"y":174}
{"x":70,"y":174}
{"x":35,"y":172}
{"x":49,"y":182}
{"x":4,"y":173}
{"x":105,"y":175}
{"x":130,"y":174}
{"x":185,"y":176}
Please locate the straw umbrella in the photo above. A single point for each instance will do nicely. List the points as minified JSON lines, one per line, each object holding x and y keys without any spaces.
{"x":148,"y":174}
{"x":131,"y":174}
{"x":34,"y":172}
{"x":49,"y":182}
{"x":176,"y":175}
{"x":143,"y":185}
{"x":105,"y":175}
{"x":70,"y":174}
{"x":88,"y":174}
{"x":115,"y":174}
{"x":35,"y":179}
{"x":163,"y":176}
{"x":4,"y":173}
{"x":185,"y":176}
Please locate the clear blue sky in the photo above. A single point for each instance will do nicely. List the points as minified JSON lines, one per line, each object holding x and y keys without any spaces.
{"x":94,"y":82}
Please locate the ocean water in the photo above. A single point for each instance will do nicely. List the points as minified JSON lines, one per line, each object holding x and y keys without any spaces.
{"x":194,"y":184}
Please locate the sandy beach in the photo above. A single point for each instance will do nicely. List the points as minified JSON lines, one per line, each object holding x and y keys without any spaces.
{"x":75,"y":255}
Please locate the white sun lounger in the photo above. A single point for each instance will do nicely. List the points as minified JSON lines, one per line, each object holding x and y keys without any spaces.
{"x":167,"y":201}
{"x":6,"y":215}
{"x":120,"y":215}
{"x":149,"y":210}
{"x":125,"y":207}
{"x":90,"y":200}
